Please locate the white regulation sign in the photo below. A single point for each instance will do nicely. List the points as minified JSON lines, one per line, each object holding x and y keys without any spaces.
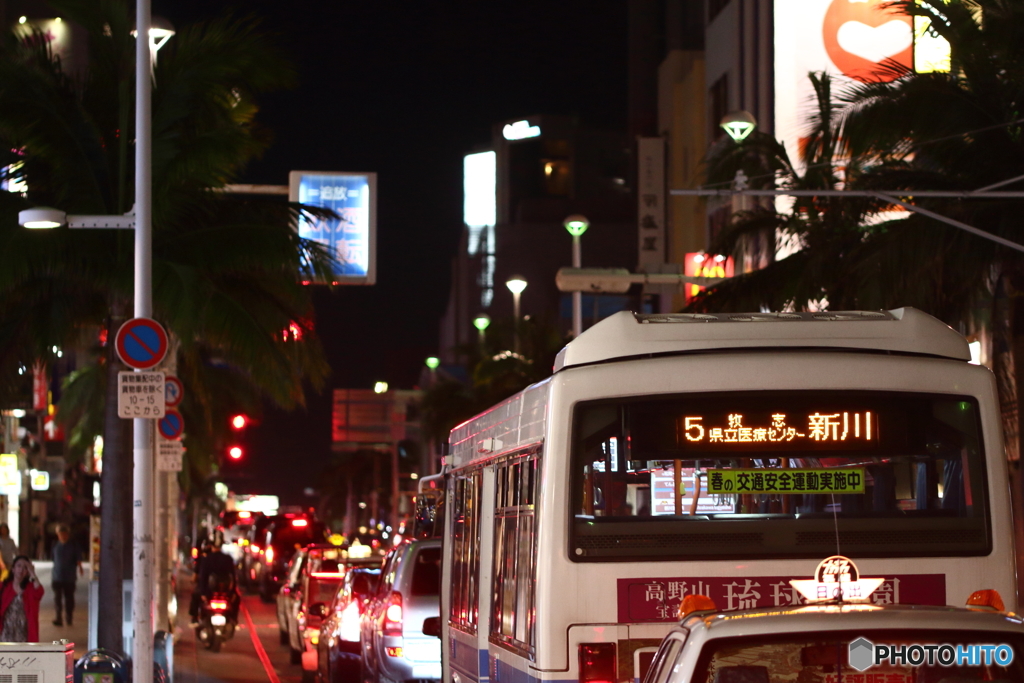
{"x":168,"y":455}
{"x":140,"y":394}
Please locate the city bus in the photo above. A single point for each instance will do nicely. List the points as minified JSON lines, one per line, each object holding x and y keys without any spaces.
{"x":716,"y":455}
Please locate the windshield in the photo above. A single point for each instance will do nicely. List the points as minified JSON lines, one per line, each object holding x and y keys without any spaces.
{"x":851,"y":658}
{"x":701,"y":475}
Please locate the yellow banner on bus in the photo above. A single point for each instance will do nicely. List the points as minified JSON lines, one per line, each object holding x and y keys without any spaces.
{"x":818,"y":480}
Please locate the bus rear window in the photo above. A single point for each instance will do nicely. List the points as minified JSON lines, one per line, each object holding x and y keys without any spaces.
{"x":773,"y":474}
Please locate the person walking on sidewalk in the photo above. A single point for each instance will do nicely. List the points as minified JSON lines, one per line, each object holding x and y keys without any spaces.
{"x":67,"y":565}
{"x":20,"y":594}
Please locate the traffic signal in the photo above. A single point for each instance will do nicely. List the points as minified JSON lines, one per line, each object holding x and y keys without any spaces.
{"x":235,"y":452}
{"x":239,"y":422}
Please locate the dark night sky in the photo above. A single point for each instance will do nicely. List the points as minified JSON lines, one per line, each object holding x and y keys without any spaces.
{"x":406,"y":89}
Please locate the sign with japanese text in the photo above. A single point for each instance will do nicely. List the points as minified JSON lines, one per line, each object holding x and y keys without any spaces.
{"x":169,"y":455}
{"x":350,"y":238}
{"x":651,"y":201}
{"x":730,"y":431}
{"x":40,"y":387}
{"x":140,"y":395}
{"x":657,"y":599}
{"x":819,"y":480}
{"x":10,"y":475}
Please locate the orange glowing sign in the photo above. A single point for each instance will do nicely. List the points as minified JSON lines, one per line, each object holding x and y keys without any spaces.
{"x":699,"y":264}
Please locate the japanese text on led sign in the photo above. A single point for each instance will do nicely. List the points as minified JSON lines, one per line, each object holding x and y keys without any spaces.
{"x":820,"y":427}
{"x":817,"y":480}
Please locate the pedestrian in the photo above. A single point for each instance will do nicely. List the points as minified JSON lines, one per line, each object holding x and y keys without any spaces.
{"x":8,"y":548}
{"x":20,"y":594}
{"x":67,"y":565}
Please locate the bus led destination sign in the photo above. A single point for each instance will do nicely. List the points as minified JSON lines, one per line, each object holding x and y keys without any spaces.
{"x":812,"y":430}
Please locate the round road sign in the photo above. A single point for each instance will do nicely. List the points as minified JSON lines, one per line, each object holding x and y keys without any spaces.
{"x":173,"y":391}
{"x":171,"y":425}
{"x":141,"y":343}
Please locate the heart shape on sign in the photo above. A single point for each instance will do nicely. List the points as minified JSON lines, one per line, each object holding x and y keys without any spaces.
{"x":875,"y":43}
{"x":861,"y":34}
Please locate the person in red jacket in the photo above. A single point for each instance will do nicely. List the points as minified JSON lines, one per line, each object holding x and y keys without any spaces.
{"x":20,"y":594}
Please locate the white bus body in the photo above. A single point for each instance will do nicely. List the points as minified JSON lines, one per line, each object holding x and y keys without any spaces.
{"x":570,"y":516}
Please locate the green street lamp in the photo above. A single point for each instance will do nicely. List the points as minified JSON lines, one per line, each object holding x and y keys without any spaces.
{"x":576,"y":225}
{"x":738,"y":125}
{"x":481,"y":323}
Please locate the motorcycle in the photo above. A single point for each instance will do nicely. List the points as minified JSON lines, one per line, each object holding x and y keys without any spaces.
{"x":216,"y":623}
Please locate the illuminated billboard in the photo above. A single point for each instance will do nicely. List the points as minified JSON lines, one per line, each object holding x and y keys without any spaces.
{"x":851,"y":40}
{"x":351,"y":237}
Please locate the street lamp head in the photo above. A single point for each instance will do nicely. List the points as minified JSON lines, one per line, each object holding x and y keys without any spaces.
{"x":42,"y":217}
{"x":576,"y":224}
{"x":432,"y":362}
{"x":738,"y":124}
{"x":482,"y":321}
{"x":516,"y":284}
{"x":160,"y":29}
{"x":380,"y":388}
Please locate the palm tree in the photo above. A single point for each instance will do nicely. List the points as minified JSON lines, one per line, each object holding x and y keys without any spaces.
{"x":226,"y":271}
{"x":961,"y":131}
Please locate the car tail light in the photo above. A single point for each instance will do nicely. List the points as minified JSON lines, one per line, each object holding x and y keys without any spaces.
{"x":348,"y":629}
{"x":300,"y":522}
{"x":597,"y":663}
{"x":256,"y":549}
{"x":270,"y":554}
{"x":394,"y":651}
{"x":393,"y":616}
{"x":195,"y":553}
{"x":219,"y":604}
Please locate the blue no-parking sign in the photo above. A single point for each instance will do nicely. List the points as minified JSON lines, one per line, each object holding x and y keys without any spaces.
{"x":141,"y":343}
{"x":171,"y":425}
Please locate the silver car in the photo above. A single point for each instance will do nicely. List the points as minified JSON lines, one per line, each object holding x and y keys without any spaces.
{"x":395,"y":648}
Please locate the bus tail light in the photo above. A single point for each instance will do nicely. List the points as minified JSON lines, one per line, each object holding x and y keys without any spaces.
{"x":393,"y":616}
{"x":989,"y":598}
{"x":597,"y":663}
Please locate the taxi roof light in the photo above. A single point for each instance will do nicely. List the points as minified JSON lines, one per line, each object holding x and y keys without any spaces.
{"x":988,"y":598}
{"x":696,"y":603}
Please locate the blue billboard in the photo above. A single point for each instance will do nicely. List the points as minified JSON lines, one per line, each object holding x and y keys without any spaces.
{"x":350,"y":238}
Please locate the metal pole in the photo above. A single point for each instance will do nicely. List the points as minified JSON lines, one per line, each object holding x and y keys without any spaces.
{"x":143,"y":547}
{"x":577,"y":297}
{"x":515,"y":320}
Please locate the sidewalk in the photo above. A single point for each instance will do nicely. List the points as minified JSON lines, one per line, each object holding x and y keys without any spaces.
{"x":79,"y":632}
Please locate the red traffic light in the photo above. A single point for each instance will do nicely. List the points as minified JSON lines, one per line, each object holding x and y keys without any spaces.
{"x":238,"y":422}
{"x":235,"y":452}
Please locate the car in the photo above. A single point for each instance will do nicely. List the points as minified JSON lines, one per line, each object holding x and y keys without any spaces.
{"x":313,"y":583}
{"x":834,"y":640}
{"x":287,"y":597}
{"x":283,"y":537}
{"x":338,"y":653}
{"x":394,"y":643}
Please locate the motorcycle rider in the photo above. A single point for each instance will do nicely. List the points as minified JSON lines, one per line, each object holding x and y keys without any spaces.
{"x":215,"y":573}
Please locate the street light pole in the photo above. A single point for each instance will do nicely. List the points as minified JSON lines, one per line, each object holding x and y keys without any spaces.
{"x":576,"y":225}
{"x":143,"y":546}
{"x":516,"y":284}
